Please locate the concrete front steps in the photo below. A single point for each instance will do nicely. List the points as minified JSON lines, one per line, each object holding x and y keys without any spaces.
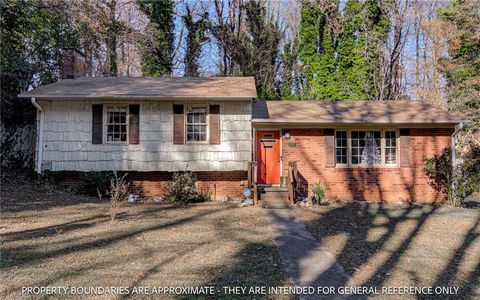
{"x":273,"y":197}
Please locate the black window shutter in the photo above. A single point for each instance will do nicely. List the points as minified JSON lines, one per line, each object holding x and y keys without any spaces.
{"x":178,"y":124}
{"x":329,"y":148}
{"x":404,"y":147}
{"x":134,"y":124}
{"x":97,"y":123}
{"x":214,"y":115}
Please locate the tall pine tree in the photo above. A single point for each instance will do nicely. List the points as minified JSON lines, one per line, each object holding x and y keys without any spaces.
{"x":317,"y":53}
{"x":260,"y":49}
{"x":33,"y":35}
{"x":157,"y":48}
{"x":339,"y":49}
{"x":462,"y":66}
{"x":196,"y":37}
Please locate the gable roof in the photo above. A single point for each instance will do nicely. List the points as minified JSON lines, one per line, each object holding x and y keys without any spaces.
{"x":158,"y":88}
{"x":355,"y":112}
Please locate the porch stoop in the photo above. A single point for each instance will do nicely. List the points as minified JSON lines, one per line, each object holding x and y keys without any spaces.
{"x":273,"y":197}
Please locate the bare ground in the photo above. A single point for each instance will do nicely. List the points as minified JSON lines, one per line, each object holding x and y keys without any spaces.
{"x":55,"y":238}
{"x":390,"y":245}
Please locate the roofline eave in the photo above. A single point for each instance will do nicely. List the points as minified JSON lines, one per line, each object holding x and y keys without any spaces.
{"x":319,"y":123}
{"x":134,"y":97}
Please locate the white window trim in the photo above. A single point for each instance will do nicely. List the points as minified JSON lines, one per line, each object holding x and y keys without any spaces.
{"x":105,"y":123}
{"x":207,"y":107}
{"x":382,"y":148}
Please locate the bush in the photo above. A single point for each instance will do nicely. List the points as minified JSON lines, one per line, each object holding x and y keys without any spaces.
{"x":96,"y":183}
{"x":439,"y":170}
{"x":458,"y":183}
{"x":469,"y":175}
{"x":118,"y":194}
{"x":182,"y":189}
{"x":318,"y":193}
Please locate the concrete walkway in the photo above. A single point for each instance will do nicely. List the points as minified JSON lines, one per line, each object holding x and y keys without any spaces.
{"x":305,"y":261}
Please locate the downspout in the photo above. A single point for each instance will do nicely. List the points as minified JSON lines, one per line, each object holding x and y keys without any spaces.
{"x":452,"y":192}
{"x":458,"y":128}
{"x":41,"y":115}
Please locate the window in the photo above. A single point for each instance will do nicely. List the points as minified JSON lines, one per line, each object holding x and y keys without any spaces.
{"x":341,"y":147}
{"x":366,"y":147}
{"x":390,"y":147}
{"x":116,"y":124}
{"x":196,"y":125}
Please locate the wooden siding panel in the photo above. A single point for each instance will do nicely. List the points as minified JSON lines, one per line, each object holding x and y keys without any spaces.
{"x":68,"y":134}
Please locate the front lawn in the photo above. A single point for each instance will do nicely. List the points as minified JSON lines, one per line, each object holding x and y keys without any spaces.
{"x":59,"y":239}
{"x":391,"y":245}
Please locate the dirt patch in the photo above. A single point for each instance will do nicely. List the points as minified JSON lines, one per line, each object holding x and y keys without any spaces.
{"x":58,"y":239}
{"x":389,"y":245}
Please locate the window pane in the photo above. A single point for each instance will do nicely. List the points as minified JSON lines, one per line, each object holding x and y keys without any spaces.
{"x":390,"y":147}
{"x":341,"y":147}
{"x":196,"y":127}
{"x":202,"y":118}
{"x":362,"y":142}
{"x":116,"y":124}
{"x":366,"y":147}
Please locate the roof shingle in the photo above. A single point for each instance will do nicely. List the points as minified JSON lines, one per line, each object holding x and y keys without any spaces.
{"x":359,"y":112}
{"x":234,"y":88}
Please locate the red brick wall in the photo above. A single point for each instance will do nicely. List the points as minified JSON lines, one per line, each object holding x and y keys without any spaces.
{"x":408,"y":184}
{"x":219,"y":185}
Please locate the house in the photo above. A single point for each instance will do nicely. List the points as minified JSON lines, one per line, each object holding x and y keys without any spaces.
{"x":216,"y":128}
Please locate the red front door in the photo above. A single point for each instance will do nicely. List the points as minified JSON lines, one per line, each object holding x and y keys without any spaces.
{"x":268,"y":157}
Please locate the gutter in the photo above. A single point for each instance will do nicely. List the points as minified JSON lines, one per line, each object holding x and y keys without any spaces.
{"x":41,"y":114}
{"x":458,"y":128}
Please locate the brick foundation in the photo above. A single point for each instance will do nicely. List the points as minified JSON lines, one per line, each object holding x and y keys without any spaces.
{"x":219,"y":185}
{"x":399,"y":184}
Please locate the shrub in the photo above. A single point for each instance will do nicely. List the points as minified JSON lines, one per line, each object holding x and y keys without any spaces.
{"x":118,"y":194}
{"x":439,"y":170}
{"x":96,"y":183}
{"x":469,"y":175}
{"x":318,"y":193}
{"x":182,"y":189}
{"x":457,"y":183}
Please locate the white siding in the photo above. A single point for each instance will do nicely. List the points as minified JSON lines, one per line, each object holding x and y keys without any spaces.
{"x":68,"y":140}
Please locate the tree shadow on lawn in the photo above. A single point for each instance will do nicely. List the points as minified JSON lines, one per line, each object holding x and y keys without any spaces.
{"x":11,"y":260}
{"x":254,"y":261}
{"x":377,"y":242}
{"x":151,"y":211}
{"x":257,"y":264}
